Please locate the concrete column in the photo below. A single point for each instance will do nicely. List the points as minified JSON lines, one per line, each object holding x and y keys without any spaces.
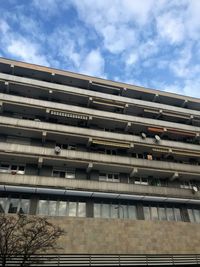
{"x":140,"y":212}
{"x":89,"y":209}
{"x":33,"y":205}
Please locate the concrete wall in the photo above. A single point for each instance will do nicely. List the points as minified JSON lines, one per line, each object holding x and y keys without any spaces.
{"x":89,"y":235}
{"x":92,"y":185}
{"x":97,"y":158}
{"x":44,"y":105}
{"x":100,"y":95}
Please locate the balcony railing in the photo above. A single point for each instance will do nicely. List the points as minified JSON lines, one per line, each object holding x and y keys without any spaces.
{"x":109,"y":260}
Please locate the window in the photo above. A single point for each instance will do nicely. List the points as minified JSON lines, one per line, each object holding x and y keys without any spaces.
{"x":97,"y":210}
{"x":187,"y":184}
{"x":132,"y":213}
{"x":177,"y":214}
{"x":196,"y":215}
{"x":5,"y":168}
{"x":24,"y":206}
{"x":12,"y":168}
{"x":3,"y":202}
{"x":114,"y":211}
{"x":70,"y":173}
{"x":105,"y":210}
{"x":66,"y":146}
{"x":147,"y":214}
{"x":110,"y":152}
{"x":72,"y":209}
{"x":52,"y":208}
{"x":154,"y":213}
{"x":43,"y":207}
{"x":191,"y":215}
{"x":13,"y":205}
{"x":61,"y":208}
{"x":81,"y":209}
{"x":170,"y":214}
{"x":109,"y":177}
{"x":64,"y":173}
{"x":142,"y":181}
{"x":162,"y":214}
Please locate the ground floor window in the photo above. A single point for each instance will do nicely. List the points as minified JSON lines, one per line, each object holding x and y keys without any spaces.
{"x":61,"y":208}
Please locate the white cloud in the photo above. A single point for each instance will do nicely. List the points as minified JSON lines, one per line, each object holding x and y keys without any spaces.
{"x":48,"y":7}
{"x":116,"y":40}
{"x":192,"y":19}
{"x":4,"y":27}
{"x":93,"y":64}
{"x":171,"y":28}
{"x":114,"y":20}
{"x":131,"y":59}
{"x":26,"y":51}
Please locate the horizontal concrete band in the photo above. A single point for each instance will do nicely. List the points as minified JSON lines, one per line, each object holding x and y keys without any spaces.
{"x":98,"y":95}
{"x":38,"y":68}
{"x":113,"y":190}
{"x":51,"y":128}
{"x":47,"y":106}
{"x":127,"y":163}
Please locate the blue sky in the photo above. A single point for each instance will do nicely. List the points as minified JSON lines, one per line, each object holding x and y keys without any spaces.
{"x":152,"y":43}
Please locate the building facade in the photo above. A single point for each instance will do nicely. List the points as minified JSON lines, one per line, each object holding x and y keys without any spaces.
{"x":115,"y":165}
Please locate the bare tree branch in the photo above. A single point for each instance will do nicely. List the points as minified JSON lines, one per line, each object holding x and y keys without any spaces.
{"x":26,"y":236}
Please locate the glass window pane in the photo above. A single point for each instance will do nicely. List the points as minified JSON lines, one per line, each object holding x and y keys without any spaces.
{"x":177,"y":213}
{"x":14,"y":167}
{"x":123,"y":211}
{"x":56,"y":173}
{"x":105,"y":211}
{"x":132,"y":213}
{"x":4,"y":168}
{"x":14,"y":202}
{"x":43,"y":207}
{"x":162,"y":214}
{"x":72,"y":208}
{"x":70,"y":174}
{"x":81,"y":209}
{"x":62,"y":208}
{"x":196,"y":215}
{"x":62,"y":174}
{"x":24,"y":206}
{"x":110,"y":176}
{"x":114,"y":211}
{"x":154,"y":213}
{"x":52,"y":208}
{"x":147,"y":215}
{"x":170,"y":214}
{"x":97,"y":210}
{"x":3,"y":202}
{"x":191,"y":215}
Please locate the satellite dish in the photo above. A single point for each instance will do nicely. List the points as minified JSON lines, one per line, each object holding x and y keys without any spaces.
{"x":194,"y":189}
{"x":57,"y":149}
{"x":143,"y":135}
{"x":157,"y":137}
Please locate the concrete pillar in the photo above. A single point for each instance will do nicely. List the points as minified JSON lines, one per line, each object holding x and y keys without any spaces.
{"x":33,"y":205}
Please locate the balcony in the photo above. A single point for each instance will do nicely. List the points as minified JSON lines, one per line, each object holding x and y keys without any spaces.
{"x":100,"y":189}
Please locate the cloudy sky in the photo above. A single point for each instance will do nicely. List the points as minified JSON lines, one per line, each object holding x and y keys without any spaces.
{"x":152,"y":43}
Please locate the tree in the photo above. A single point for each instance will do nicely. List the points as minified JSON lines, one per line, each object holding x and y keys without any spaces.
{"x":25,"y":236}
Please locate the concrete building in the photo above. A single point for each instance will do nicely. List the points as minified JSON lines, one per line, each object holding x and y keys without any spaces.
{"x":116,"y":165}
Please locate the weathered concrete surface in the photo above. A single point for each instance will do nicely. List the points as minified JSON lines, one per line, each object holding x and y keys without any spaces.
{"x":90,"y":235}
{"x":88,"y":185}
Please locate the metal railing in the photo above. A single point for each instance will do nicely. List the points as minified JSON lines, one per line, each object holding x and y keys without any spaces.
{"x":109,"y":260}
